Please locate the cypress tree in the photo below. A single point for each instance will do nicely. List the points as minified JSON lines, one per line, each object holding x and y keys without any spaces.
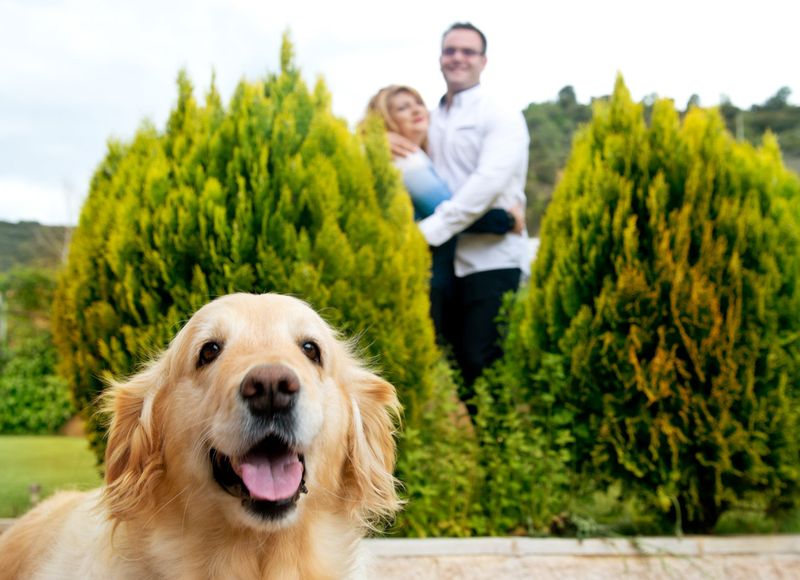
{"x":657,"y":345}
{"x":271,"y":193}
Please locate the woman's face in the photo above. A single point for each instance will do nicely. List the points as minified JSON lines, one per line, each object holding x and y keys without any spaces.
{"x":410,"y":116}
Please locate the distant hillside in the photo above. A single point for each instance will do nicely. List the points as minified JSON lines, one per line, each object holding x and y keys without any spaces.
{"x":553,"y":123}
{"x":31,"y":243}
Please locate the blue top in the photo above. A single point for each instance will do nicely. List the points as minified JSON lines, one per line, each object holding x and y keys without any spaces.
{"x":426,"y":188}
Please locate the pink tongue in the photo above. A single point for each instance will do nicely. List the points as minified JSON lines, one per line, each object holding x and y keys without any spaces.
{"x":272,"y":478}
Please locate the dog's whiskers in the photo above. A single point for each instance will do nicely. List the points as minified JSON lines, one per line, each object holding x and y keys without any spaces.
{"x":164,"y":505}
{"x":202,"y":442}
{"x":185,"y":510}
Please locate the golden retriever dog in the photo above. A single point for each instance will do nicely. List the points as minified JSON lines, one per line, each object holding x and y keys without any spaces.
{"x":255,"y":446}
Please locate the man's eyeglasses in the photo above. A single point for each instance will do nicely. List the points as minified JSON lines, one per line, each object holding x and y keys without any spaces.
{"x":467,"y":52}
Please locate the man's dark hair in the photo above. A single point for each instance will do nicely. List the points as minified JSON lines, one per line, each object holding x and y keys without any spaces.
{"x":466,"y":26}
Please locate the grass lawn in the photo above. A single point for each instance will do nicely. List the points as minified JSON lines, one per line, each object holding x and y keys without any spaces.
{"x":52,"y":462}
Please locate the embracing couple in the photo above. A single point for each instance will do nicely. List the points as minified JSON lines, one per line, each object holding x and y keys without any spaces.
{"x":464,"y":165}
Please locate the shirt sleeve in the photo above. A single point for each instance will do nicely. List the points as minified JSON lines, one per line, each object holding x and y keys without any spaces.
{"x":503,"y":145}
{"x":494,"y":221}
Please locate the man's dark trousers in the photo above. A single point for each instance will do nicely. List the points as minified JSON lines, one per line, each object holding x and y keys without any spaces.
{"x":472,"y":326}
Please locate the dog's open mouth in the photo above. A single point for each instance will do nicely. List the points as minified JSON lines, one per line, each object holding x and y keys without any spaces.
{"x":268,"y":478}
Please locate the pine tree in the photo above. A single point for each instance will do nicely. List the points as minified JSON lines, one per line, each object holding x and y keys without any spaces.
{"x":272,"y":193}
{"x":657,"y":345}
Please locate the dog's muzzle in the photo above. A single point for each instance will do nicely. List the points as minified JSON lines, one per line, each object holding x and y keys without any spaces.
{"x":269,"y":478}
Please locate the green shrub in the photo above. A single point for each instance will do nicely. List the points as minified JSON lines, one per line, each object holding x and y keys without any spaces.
{"x":33,"y":400}
{"x":271,"y":193}
{"x":525,"y":441}
{"x":29,"y":291}
{"x":660,"y":331}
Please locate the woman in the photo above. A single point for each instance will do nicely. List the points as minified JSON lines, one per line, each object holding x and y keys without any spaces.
{"x":403,"y":112}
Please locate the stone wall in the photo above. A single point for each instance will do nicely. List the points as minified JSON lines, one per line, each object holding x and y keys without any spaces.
{"x":736,"y":557}
{"x":701,"y":557}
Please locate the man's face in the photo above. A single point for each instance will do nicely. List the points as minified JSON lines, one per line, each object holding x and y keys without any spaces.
{"x":462,"y":59}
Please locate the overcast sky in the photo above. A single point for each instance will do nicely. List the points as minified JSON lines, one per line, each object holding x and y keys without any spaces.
{"x":75,"y":72}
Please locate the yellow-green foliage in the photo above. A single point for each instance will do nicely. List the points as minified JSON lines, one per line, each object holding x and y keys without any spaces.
{"x":658,"y":342}
{"x":272,"y":193}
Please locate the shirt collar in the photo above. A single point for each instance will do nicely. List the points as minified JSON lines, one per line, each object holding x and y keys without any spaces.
{"x":462,"y":98}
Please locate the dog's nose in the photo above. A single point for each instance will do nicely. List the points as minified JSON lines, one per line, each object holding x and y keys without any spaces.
{"x":269,"y":389}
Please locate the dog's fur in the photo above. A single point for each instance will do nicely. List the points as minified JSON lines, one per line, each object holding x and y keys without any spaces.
{"x":162,"y":512}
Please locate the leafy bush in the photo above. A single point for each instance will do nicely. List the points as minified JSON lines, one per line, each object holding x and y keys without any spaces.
{"x":33,"y":400}
{"x":525,"y":441}
{"x":658,"y":342}
{"x":271,"y":193}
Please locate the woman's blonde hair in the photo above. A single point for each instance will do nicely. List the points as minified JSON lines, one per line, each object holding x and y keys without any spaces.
{"x":379,"y":105}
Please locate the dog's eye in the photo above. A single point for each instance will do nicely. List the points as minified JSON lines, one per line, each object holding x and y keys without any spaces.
{"x":208,"y":353}
{"x":311,"y":350}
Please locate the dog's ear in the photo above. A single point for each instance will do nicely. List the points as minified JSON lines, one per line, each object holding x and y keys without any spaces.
{"x":134,"y":461}
{"x":370,"y":485}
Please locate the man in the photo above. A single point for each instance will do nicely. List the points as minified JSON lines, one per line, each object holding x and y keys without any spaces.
{"x":481,"y":151}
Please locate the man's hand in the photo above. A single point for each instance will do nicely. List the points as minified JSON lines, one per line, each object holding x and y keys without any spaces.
{"x":519,"y":219}
{"x":400,"y":146}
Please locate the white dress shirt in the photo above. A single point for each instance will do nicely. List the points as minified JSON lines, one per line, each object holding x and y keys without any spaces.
{"x":481,"y":151}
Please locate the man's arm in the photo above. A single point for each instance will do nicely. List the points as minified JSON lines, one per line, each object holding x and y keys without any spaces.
{"x":502,"y":149}
{"x":399,"y":145}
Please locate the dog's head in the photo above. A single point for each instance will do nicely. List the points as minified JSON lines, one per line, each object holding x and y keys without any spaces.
{"x":258,"y":412}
